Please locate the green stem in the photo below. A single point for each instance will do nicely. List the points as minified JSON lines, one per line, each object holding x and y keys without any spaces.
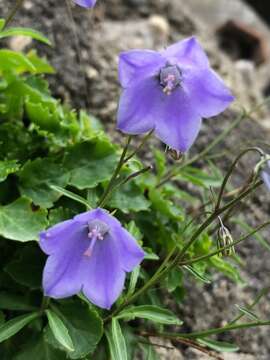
{"x":45,"y":303}
{"x":166,"y":265}
{"x":206,"y":333}
{"x":261,"y":294}
{"x":110,"y":186}
{"x":207,"y":256}
{"x":212,"y":218}
{"x":144,"y":140}
{"x":13,"y":13}
{"x":229,"y":173}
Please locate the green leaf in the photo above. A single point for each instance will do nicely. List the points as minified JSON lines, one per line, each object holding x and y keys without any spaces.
{"x":152,"y":313}
{"x":19,"y":31}
{"x":38,"y":349}
{"x":198,"y":275}
{"x":8,"y":167}
{"x":27,"y":266}
{"x":160,"y":161}
{"x":199,"y":177}
{"x":226,"y":268}
{"x":83,"y":325}
{"x":71,"y":195}
{"x":14,"y":325}
{"x":164,"y":206}
{"x":41,"y":64}
{"x":19,"y":221}
{"x":10,"y":301}
{"x":90,"y":163}
{"x":116,"y":341}
{"x":59,"y":330}
{"x":247,"y":312}
{"x":129,"y":197}
{"x":36,"y":178}
{"x":2,"y":24}
{"x":133,"y":280}
{"x":12,"y":61}
{"x":220,"y":346}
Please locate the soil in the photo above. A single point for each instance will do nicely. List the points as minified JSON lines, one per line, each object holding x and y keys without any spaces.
{"x":117,"y":25}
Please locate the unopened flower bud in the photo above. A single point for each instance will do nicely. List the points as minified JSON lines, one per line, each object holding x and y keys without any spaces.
{"x":225,"y":239}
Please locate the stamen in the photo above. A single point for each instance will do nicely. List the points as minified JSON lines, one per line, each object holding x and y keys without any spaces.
{"x":97,"y":230}
{"x":170,"y":78}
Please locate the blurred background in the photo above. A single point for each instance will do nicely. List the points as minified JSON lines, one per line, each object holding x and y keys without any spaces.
{"x":236,"y":36}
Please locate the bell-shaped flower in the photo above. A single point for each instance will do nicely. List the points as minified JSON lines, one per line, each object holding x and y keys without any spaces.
{"x":90,"y":253}
{"x":169,"y":91}
{"x":265,"y":174}
{"x":86,"y":3}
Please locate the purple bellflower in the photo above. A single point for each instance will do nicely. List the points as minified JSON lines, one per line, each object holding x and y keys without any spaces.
{"x":169,"y":91}
{"x":90,"y":253}
{"x":86,"y":3}
{"x":265,"y":174}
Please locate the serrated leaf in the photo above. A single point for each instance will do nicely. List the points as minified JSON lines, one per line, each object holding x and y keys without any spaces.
{"x":90,"y":163}
{"x":198,"y":275}
{"x":116,"y":341}
{"x":59,"y":330}
{"x":129,"y":197}
{"x":220,"y":346}
{"x":164,"y":206}
{"x":150,"y":312}
{"x":20,"y":31}
{"x":41,"y":64}
{"x":11,"y":327}
{"x":8,"y":167}
{"x":36,"y":178}
{"x":19,"y":221}
{"x":84,"y":327}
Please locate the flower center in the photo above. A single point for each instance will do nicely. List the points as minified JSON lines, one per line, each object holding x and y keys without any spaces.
{"x":170,"y":78}
{"x":96,"y":231}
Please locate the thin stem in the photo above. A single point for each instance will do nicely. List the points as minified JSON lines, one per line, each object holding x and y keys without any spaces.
{"x":207,"y":256}
{"x":206,"y":333}
{"x":166,"y":266}
{"x":212,"y":217}
{"x":135,"y":174}
{"x":44,"y":304}
{"x":13,"y":12}
{"x":261,"y":294}
{"x":144,"y":140}
{"x":229,"y":173}
{"x":109,"y":188}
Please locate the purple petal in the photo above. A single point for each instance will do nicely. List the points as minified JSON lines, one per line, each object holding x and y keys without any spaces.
{"x":207,"y":91}
{"x":139,"y":107}
{"x":59,"y":235}
{"x":130,"y":252}
{"x":187,"y":52}
{"x":86,"y":3}
{"x":103,"y":275}
{"x":135,"y":65}
{"x":62,"y":275}
{"x":265,"y":174}
{"x":179,"y":123}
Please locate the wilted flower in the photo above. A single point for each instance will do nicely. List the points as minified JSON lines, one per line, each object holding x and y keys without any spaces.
{"x":89,"y":253}
{"x":169,"y":91}
{"x":265,"y":174}
{"x":86,"y":3}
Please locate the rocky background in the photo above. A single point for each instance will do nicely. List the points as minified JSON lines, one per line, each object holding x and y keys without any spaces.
{"x":238,"y":43}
